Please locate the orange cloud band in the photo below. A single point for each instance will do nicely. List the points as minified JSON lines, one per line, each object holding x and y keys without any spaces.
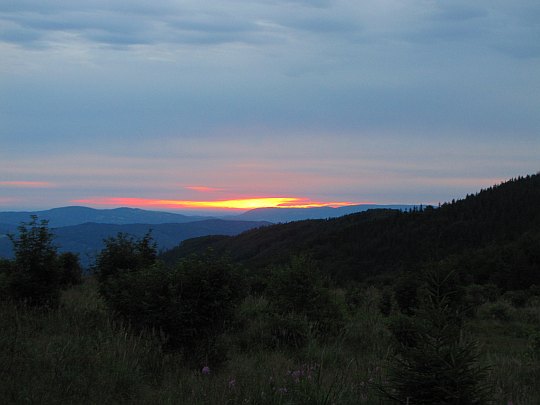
{"x":239,"y":204}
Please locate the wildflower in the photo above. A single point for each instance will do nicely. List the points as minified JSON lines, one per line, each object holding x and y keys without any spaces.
{"x":296,"y":375}
{"x":205,"y":370}
{"x":232,"y":383}
{"x":282,"y":390}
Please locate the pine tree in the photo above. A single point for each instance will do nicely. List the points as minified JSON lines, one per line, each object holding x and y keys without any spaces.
{"x":439,"y":365}
{"x":35,"y":277}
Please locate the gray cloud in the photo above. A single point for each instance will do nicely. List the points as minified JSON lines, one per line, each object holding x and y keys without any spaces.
{"x":85,"y":75}
{"x":492,"y":24}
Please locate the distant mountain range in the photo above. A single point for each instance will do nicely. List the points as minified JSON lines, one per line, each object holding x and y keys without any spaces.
{"x":82,"y":230}
{"x":87,"y":239}
{"x":66,"y":216}
{"x":75,"y":215}
{"x":277,"y":215}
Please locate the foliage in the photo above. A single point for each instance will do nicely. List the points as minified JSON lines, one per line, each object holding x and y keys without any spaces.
{"x":517,"y":298}
{"x":492,"y":237}
{"x":76,"y":354}
{"x":34,"y":278}
{"x":500,"y":310}
{"x":80,"y":353}
{"x":6,"y":269}
{"x":406,"y":292}
{"x":190,"y":304}
{"x":70,"y":270}
{"x":476,"y":295}
{"x":124,"y":253}
{"x":296,"y":291}
{"x":436,"y":364}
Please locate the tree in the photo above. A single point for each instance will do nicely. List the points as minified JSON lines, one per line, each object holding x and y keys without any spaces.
{"x":34,"y":278}
{"x":70,"y":269}
{"x":124,"y":253}
{"x":191,"y":304}
{"x":436,"y":363}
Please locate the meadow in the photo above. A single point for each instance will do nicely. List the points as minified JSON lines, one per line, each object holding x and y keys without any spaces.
{"x":80,"y":353}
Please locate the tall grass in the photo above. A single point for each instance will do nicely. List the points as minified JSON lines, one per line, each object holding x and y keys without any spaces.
{"x":82,"y":354}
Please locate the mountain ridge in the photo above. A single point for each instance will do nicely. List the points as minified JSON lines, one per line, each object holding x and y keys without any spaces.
{"x":377,"y":242}
{"x":285,"y":214}
{"x":76,"y":215}
{"x":87,"y":239}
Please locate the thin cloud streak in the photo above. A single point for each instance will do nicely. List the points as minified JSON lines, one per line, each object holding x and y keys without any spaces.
{"x":26,"y":184}
{"x":204,"y":189}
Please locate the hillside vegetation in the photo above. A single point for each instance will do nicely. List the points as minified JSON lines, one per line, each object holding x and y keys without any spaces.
{"x":434,"y":306}
{"x":493,"y":233}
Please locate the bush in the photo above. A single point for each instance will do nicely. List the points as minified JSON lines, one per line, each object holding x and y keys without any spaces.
{"x":124,"y":253}
{"x":476,"y":294}
{"x":517,"y":298}
{"x":190,"y":304}
{"x":288,"y":330}
{"x":500,"y":311}
{"x":297,"y":290}
{"x":70,"y":270}
{"x":5,"y":275}
{"x":534,"y":346}
{"x":404,"y":329}
{"x":406,"y":292}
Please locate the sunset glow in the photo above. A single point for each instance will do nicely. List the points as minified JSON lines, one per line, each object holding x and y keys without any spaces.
{"x":235,"y":204}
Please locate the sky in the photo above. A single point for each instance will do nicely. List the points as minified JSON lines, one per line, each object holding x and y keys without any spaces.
{"x":195,"y":105}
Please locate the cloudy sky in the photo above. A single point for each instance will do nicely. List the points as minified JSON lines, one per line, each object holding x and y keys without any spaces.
{"x":132,"y":102}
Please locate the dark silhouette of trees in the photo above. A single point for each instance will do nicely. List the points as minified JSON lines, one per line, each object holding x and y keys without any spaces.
{"x":493,"y":235}
{"x":124,"y":253}
{"x":34,"y":278}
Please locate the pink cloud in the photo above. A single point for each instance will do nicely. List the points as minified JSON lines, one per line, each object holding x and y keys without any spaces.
{"x":26,"y":184}
{"x":203,"y":189}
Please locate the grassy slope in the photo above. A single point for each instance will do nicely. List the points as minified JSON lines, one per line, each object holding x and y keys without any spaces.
{"x":80,"y":354}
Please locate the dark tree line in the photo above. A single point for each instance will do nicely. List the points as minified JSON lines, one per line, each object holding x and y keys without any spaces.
{"x":38,"y":273}
{"x":497,"y":228}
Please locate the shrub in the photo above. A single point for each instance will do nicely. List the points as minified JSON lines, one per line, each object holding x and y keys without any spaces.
{"x":406,"y":292}
{"x":476,"y":295}
{"x":500,"y":311}
{"x":70,"y":270}
{"x":191,"y":304}
{"x":387,"y":301}
{"x":517,"y":298}
{"x":124,"y":253}
{"x":297,"y":290}
{"x":534,"y":346}
{"x":404,"y":329}
{"x":5,"y":275}
{"x":288,"y":330}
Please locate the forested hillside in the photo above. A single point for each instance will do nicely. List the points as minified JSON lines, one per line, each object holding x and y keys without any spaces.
{"x":436,"y":305}
{"x":493,"y":235}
